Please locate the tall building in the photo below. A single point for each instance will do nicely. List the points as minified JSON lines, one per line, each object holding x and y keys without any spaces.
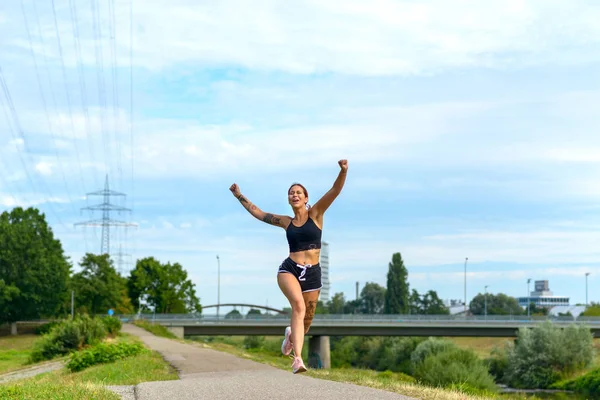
{"x":542,"y":296}
{"x":324,"y":261}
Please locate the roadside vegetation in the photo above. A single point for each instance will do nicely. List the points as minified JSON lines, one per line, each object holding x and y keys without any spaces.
{"x":156,"y":329}
{"x":545,"y":357}
{"x":95,"y":353}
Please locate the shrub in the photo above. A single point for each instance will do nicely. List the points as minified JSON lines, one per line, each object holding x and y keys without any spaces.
{"x":376,"y":353}
{"x":497,"y":362}
{"x":546,"y":353}
{"x":455,"y":367}
{"x":588,"y":384}
{"x":254,"y":342}
{"x":353,"y":351}
{"x":429,"y":347}
{"x":67,"y":336}
{"x":46,"y":328}
{"x":101,"y":354}
{"x":395,"y":353}
{"x":112,"y":324}
{"x":92,"y":329}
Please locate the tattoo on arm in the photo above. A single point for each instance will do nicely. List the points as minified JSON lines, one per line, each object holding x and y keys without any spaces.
{"x":271,"y":219}
{"x":247,"y":205}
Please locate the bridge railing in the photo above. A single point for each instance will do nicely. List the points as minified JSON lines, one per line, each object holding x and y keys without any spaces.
{"x":359,"y":318}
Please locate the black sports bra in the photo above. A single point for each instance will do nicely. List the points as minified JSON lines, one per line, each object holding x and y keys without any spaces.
{"x":305,"y":237}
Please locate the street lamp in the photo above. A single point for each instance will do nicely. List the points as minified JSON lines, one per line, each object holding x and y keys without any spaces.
{"x":586,"y":289}
{"x":466,"y":259}
{"x":485,"y":301}
{"x":528,"y":299}
{"x":218,"y":285}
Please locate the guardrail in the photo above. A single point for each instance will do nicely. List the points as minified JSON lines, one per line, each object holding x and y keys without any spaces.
{"x":361,"y":318}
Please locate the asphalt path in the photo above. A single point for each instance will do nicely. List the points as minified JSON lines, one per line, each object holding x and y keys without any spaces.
{"x":210,"y":374}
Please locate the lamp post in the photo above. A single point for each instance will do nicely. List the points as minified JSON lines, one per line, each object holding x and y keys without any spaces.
{"x":528,"y":299}
{"x":466,"y":259}
{"x":485,"y":302}
{"x":218,"y":285}
{"x":586,"y":289}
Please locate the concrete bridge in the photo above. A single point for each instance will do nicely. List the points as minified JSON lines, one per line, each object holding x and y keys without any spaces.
{"x":326,"y":325}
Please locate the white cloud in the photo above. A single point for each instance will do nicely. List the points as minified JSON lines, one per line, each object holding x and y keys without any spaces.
{"x":381,"y":37}
{"x":44,"y":168}
{"x":11,"y":200}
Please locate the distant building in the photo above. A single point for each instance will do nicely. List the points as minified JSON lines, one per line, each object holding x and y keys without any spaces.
{"x":455,"y":306}
{"x":324,"y":272}
{"x":543,"y":297}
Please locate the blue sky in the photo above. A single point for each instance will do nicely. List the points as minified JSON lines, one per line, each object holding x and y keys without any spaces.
{"x":470,"y":129}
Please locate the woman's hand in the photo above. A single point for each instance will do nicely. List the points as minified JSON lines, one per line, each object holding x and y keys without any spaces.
{"x":235,"y":189}
{"x":343,"y":165}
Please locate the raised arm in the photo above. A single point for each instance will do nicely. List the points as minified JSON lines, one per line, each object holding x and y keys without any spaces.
{"x":319,"y":208}
{"x":271,"y":219}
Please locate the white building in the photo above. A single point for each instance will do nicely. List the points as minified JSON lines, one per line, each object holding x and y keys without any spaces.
{"x":324,"y":261}
{"x":542,"y":296}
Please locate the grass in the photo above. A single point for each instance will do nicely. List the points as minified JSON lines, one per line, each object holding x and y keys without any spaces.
{"x":482,"y":346}
{"x":88,"y":384}
{"x":156,"y":329}
{"x":14,"y":353}
{"x":57,"y":391}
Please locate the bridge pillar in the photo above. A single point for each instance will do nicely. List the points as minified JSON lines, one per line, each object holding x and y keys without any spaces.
{"x":319,"y":352}
{"x":176,"y":330}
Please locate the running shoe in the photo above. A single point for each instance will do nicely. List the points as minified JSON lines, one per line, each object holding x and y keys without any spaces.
{"x":298,"y":365}
{"x":286,"y":346}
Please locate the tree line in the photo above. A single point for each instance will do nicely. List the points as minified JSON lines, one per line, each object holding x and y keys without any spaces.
{"x":37,"y":278}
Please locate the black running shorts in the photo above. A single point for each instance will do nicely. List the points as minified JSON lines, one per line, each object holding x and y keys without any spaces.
{"x":309,"y":276}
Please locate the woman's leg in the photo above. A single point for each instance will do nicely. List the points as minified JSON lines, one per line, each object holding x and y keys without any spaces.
{"x":310,"y":302}
{"x":291,"y":289}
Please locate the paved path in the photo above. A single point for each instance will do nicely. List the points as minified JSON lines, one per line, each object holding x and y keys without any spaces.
{"x":210,"y":374}
{"x":32,"y":371}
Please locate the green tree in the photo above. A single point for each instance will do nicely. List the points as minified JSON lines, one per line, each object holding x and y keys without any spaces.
{"x":353,"y":306}
{"x":321,"y":308}
{"x":593,"y":310}
{"x":428,"y":303}
{"x":372,"y":298}
{"x":336,"y":304}
{"x":397,"y":293}
{"x":233,"y":314}
{"x":497,"y":304}
{"x":98,"y":287}
{"x":34,"y":270}
{"x":165,"y":286}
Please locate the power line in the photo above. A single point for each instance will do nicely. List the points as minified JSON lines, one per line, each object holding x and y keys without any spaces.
{"x":82,"y":85}
{"x":39,"y":81}
{"x":19,"y":129}
{"x":67,"y":92}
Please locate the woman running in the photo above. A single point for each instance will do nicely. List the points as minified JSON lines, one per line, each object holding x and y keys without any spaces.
{"x":299,"y":276}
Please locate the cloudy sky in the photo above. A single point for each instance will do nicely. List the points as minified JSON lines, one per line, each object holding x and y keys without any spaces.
{"x":471,"y":130}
